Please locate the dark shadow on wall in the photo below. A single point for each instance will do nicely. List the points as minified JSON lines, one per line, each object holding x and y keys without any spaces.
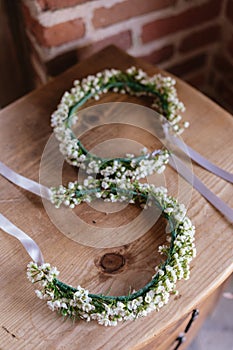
{"x":16,"y":75}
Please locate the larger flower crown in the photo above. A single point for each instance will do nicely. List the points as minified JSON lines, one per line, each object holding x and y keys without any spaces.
{"x":109,"y":310}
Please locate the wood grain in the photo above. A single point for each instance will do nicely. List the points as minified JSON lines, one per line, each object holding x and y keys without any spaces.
{"x":25,"y":321}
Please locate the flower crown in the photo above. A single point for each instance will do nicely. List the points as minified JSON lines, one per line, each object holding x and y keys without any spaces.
{"x":134,"y":82}
{"x":78,"y":303}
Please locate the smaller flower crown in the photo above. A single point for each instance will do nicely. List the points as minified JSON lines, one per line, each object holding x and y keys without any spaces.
{"x":134,"y":82}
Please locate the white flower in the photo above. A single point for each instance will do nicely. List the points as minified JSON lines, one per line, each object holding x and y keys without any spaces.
{"x":54,"y":271}
{"x":104,"y":320}
{"x":39,"y":294}
{"x":160,"y":304}
{"x":54,"y":305}
{"x":149,"y":296}
{"x":133,"y":304}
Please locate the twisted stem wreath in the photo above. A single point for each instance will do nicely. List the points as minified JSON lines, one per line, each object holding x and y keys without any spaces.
{"x":78,"y":303}
{"x":134,"y":82}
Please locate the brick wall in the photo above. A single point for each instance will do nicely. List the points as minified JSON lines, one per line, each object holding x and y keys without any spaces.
{"x":183,"y":36}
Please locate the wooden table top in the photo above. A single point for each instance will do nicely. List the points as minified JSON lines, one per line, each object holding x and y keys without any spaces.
{"x":26,"y":322}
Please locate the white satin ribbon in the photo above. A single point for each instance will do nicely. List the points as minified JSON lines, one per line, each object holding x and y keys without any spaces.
{"x":181,"y":168}
{"x":190,"y":177}
{"x":198,"y":158}
{"x":28,"y":243}
{"x":23,"y":182}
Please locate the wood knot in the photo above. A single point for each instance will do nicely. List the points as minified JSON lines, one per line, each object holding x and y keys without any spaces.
{"x":112,"y":262}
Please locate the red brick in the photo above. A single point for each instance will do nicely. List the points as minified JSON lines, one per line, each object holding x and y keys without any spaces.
{"x":122,"y":40}
{"x":187,"y":19}
{"x":201,"y":38}
{"x":160,"y":55}
{"x":104,"y":17}
{"x":58,"y":4}
{"x":188,"y":66}
{"x":229,"y":10}
{"x":56,"y":35}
